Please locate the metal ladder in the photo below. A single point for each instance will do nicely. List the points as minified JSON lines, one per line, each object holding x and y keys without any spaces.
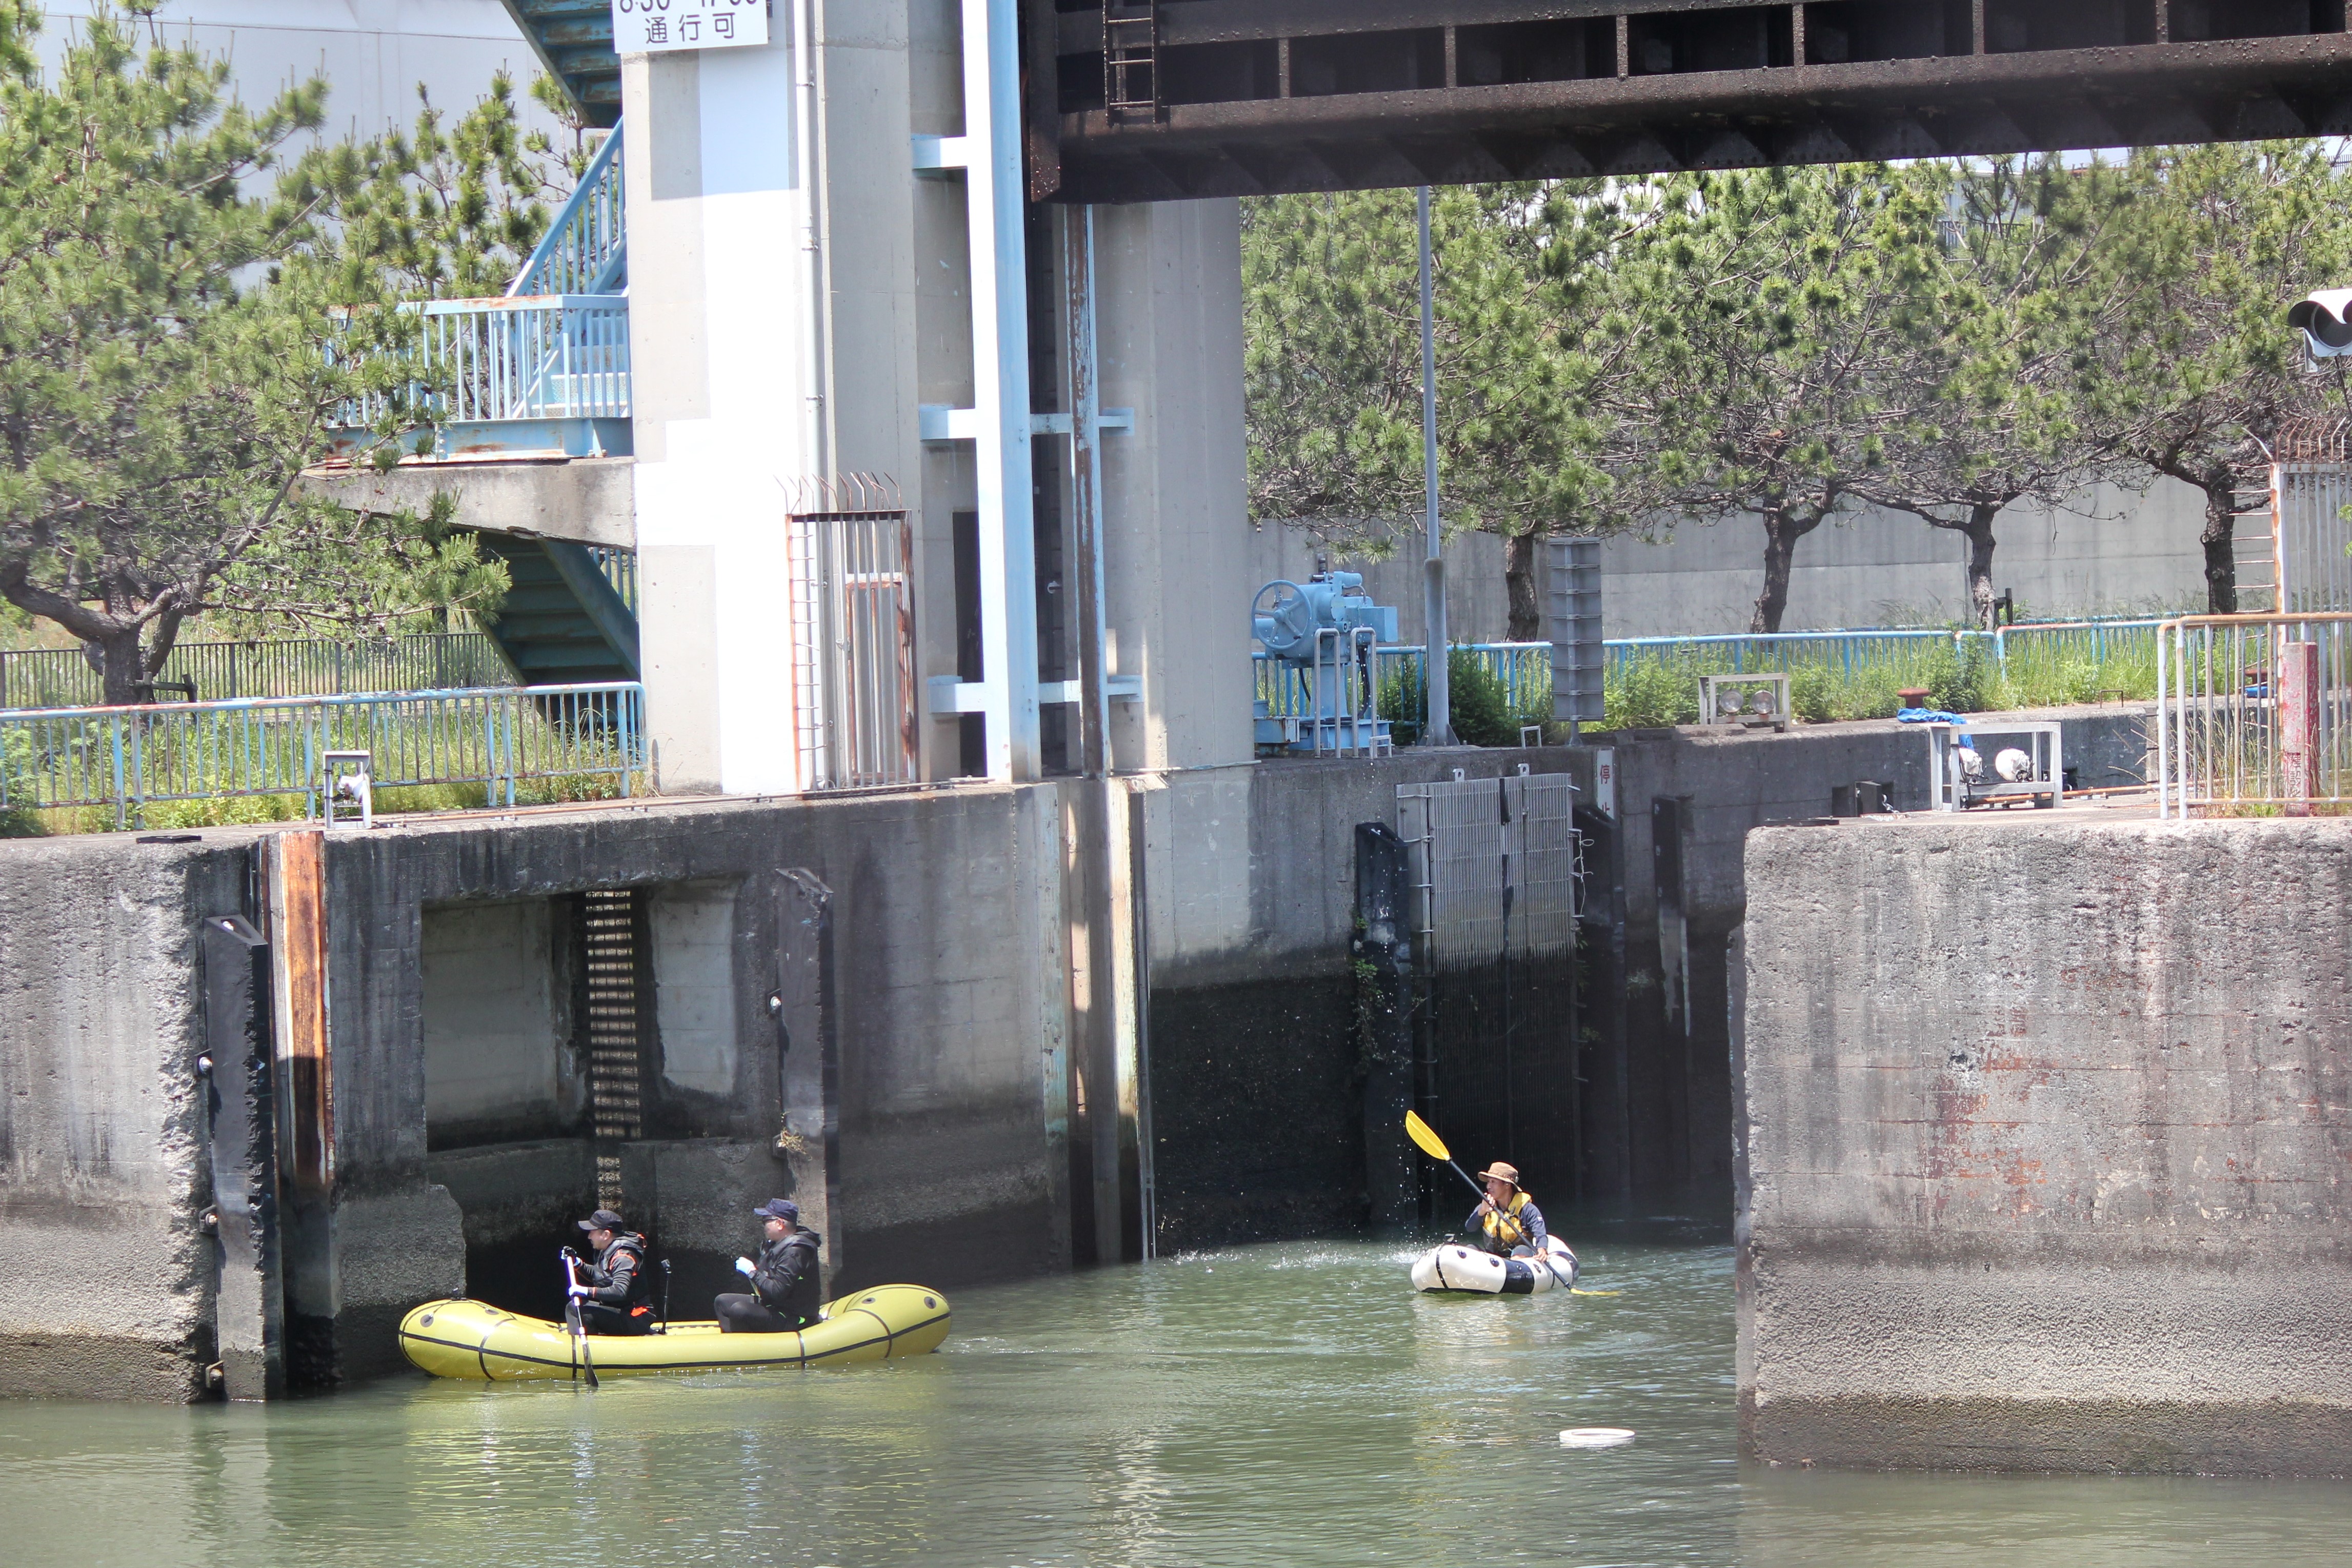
{"x":1132,"y":59}
{"x":2254,"y":543}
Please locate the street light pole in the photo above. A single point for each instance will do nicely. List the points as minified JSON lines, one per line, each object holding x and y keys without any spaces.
{"x":1438,"y":729}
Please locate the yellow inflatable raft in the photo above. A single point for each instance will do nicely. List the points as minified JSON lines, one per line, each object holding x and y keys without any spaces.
{"x":472,"y":1339}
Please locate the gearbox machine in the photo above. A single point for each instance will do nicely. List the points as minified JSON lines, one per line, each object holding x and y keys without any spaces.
{"x":1318,"y":685}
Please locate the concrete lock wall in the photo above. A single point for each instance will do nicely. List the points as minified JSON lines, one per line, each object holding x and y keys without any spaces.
{"x":933,"y":1156}
{"x":1658,"y":1109}
{"x":1257,"y":1052}
{"x":102,"y":1116}
{"x":2044,"y":1140}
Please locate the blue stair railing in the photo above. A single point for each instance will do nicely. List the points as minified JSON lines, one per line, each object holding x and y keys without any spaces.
{"x":586,"y":249}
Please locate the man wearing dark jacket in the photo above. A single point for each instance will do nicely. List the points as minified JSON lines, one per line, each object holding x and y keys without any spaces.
{"x":614,"y":1297}
{"x":785,"y":1279}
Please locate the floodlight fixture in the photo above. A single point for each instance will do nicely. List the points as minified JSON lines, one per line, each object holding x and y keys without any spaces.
{"x":2325,"y":318}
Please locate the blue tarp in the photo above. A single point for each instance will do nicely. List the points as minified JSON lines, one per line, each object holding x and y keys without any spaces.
{"x":1927,"y":716}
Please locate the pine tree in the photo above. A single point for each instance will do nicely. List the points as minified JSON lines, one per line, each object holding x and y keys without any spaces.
{"x":189,"y":296}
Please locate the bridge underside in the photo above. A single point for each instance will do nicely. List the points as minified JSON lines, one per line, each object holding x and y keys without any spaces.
{"x":1248,"y":97}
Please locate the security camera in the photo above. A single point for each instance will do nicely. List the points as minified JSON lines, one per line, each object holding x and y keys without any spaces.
{"x":2324,"y":317}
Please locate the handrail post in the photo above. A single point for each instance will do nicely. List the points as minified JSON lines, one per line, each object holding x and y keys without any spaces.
{"x":115,"y":725}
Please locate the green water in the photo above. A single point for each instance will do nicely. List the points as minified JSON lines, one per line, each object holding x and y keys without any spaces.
{"x":1273,"y":1405}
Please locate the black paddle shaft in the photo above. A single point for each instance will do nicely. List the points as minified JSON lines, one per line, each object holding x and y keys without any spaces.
{"x":572,"y":1312}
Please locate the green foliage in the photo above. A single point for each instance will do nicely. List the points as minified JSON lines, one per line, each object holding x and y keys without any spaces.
{"x":1792,"y":345}
{"x":1957,"y":679}
{"x":1332,"y":310}
{"x":186,"y":301}
{"x":1478,"y":703}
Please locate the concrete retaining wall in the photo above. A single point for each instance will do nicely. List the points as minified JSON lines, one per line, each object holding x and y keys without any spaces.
{"x":1658,"y":1109}
{"x":101,"y":1116}
{"x":2045,"y":1141}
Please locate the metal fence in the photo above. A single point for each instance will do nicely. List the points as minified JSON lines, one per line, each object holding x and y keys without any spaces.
{"x":514,"y":358}
{"x":126,"y":759}
{"x":64,"y":677}
{"x":2254,"y":713}
{"x":529,"y":356}
{"x":1892,"y":651}
{"x":2313,"y":570}
{"x":855,"y":675}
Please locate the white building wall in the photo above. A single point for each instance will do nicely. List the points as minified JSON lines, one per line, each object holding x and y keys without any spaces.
{"x":720,"y":339}
{"x":373,"y":53}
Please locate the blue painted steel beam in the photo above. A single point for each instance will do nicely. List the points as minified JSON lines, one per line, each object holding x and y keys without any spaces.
{"x":573,"y":40}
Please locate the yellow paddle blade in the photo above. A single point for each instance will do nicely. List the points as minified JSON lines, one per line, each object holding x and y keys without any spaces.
{"x":1420,"y":1132}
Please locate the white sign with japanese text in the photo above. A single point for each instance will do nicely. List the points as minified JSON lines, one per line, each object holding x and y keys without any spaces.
{"x":650,"y":27}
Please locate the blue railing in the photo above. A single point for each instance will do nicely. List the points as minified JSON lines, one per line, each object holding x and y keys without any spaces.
{"x":1861,"y":652}
{"x":578,"y":739}
{"x":525,"y":374}
{"x":585,"y":250}
{"x":1523,"y":668}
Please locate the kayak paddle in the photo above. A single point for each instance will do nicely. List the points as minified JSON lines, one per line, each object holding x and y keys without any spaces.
{"x":572,"y":1314}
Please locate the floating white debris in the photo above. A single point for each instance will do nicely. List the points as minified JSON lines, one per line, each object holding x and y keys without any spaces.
{"x":1596,"y":1437}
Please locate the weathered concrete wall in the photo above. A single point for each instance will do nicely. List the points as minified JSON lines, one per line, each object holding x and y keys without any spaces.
{"x":1256,"y":1054}
{"x":494,"y":994}
{"x":2045,"y":1137}
{"x":2108,"y":552}
{"x":107,"y":1289}
{"x":948,"y":978}
{"x":949,"y":1003}
{"x":1658,"y":1110}
{"x":589,"y":500}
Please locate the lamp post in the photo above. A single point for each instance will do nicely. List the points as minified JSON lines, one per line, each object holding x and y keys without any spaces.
{"x":1438,"y":725}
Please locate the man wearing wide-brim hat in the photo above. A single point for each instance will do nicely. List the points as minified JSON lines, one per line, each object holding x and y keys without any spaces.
{"x":1508,"y":1221}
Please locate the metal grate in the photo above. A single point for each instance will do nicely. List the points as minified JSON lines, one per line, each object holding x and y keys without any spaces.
{"x":2314,"y":572}
{"x":615,"y":1044}
{"x":1499,"y":866}
{"x":857,"y":635}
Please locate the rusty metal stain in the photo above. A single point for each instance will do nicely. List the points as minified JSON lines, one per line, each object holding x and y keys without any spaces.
{"x":298,"y":942}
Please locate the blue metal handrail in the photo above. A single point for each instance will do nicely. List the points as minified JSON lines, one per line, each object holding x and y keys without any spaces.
{"x":519,"y":357}
{"x":128,"y":759}
{"x":585,"y":249}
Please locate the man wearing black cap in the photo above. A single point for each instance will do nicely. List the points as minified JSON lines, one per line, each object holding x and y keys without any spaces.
{"x":785,"y":1279}
{"x":612,"y":1298}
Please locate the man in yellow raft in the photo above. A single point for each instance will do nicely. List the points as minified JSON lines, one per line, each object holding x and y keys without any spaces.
{"x":616,"y":1297}
{"x":785,"y":1280}
{"x":1508,"y":1221}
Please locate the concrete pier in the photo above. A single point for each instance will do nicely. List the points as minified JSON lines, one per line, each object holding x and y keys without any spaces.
{"x":2044,"y":1142}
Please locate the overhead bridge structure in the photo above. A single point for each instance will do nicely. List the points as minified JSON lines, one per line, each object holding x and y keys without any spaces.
{"x":1220,"y":98}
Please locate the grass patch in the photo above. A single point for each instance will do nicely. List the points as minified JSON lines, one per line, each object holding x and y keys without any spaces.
{"x":1661,"y":688}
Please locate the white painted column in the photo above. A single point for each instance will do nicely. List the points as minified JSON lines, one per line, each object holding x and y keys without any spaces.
{"x":1000,"y":351}
{"x":722,"y":286}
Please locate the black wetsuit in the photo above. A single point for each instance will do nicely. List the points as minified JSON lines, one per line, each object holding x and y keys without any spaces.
{"x":617,"y":1301}
{"x":787,"y":1283}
